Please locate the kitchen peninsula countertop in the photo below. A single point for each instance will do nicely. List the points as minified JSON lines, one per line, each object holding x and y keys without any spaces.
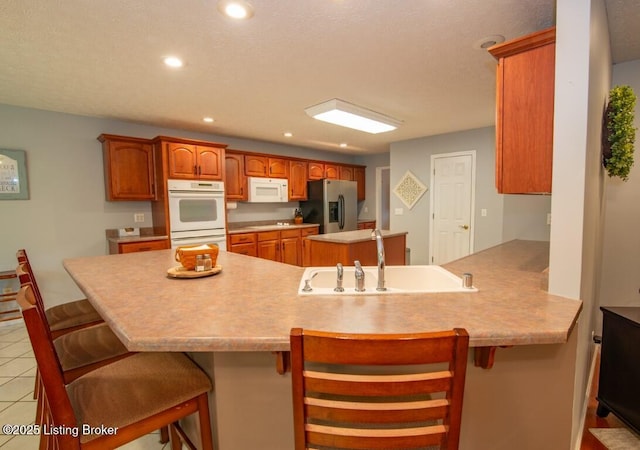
{"x":261,"y":226}
{"x":350,"y":237}
{"x":253,"y":303}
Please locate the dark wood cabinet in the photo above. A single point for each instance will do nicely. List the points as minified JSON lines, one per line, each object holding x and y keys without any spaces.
{"x":235,"y":179}
{"x":316,"y":170}
{"x":128,"y":168}
{"x":297,"y":180}
{"x":345,"y":173}
{"x":138,"y":246}
{"x":188,"y":161}
{"x":359,"y":177}
{"x":524,"y":116}
{"x":619,"y":382}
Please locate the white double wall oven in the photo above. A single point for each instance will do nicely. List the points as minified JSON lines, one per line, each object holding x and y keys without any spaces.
{"x":196,"y":213}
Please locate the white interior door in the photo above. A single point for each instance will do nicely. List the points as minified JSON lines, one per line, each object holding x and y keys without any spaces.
{"x":452,"y":202}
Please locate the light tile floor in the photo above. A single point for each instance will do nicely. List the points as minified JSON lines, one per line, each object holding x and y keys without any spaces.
{"x":17,"y":377}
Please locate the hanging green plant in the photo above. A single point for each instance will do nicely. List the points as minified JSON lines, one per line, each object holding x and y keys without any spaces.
{"x":619,"y":134}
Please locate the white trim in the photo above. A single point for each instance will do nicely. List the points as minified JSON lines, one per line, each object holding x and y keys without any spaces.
{"x":471,"y":153}
{"x":379,"y":196}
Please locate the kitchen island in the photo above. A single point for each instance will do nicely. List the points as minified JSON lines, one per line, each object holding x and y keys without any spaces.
{"x":348,"y":246}
{"x":232,"y":322}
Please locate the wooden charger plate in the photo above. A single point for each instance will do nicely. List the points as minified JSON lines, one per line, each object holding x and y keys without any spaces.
{"x":181,"y":272}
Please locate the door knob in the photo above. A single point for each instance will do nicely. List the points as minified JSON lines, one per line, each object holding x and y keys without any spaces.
{"x":464,"y":227}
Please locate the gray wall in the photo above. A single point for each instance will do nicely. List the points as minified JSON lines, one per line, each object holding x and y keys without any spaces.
{"x":66,"y":215}
{"x":508,"y":217}
{"x":621,"y":255}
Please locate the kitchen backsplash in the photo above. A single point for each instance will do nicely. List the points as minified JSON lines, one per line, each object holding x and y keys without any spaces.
{"x":253,"y":212}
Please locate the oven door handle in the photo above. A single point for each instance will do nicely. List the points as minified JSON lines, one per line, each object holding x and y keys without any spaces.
{"x":199,"y":195}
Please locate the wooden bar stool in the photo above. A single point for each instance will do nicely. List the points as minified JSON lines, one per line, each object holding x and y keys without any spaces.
{"x":66,"y":317}
{"x":376,"y":391}
{"x":119,"y":402}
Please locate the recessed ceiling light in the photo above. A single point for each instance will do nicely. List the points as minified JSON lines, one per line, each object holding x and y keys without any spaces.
{"x":343,"y":144}
{"x":339,"y":112}
{"x":488,"y":41}
{"x":235,"y":9}
{"x":173,"y":61}
{"x":208,"y":119}
{"x":288,"y":134}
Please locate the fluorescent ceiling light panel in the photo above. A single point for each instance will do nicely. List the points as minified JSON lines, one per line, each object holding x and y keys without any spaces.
{"x":345,"y":114}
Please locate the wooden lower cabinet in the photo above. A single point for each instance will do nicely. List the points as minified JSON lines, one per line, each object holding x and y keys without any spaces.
{"x":330,"y":253}
{"x":367,"y":225}
{"x":285,"y":246}
{"x":244,"y":243}
{"x":138,"y":246}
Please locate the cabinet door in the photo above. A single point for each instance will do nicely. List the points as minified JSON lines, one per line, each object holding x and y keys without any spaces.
{"x":331,"y":171}
{"x":278,"y":167}
{"x":297,"y":180}
{"x":143,"y":246}
{"x":235,"y":181}
{"x":244,"y":249}
{"x":269,"y":245}
{"x":128,"y":168}
{"x":183,"y":160}
{"x":524,"y":125}
{"x":209,"y":162}
{"x":345,"y":173}
{"x":316,"y":170}
{"x":291,"y":251}
{"x":359,"y":177}
{"x":256,"y":166}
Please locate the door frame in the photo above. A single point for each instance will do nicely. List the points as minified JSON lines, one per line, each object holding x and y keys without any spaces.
{"x":379,"y":196}
{"x":471,"y":153}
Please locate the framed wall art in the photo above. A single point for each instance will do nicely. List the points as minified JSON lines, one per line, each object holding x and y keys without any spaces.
{"x":14,"y":184}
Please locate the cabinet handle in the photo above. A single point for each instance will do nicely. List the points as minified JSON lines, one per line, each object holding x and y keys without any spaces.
{"x":199,"y":170}
{"x":195,"y":170}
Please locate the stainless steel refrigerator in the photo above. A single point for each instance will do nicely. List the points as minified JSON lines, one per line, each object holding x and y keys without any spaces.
{"x":332,"y":204}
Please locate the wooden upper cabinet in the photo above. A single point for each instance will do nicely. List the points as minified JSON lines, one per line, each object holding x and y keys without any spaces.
{"x":297,"y":180}
{"x":316,"y":170}
{"x":524,"y":114}
{"x":256,"y":165}
{"x":265,"y":166}
{"x":278,"y":167}
{"x":345,"y":173}
{"x":194,"y":161}
{"x":235,"y":181}
{"x":331,"y":171}
{"x":128,"y":168}
{"x":359,"y":177}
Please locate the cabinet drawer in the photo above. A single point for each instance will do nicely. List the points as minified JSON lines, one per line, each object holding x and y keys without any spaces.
{"x":304,"y":232}
{"x":143,"y":246}
{"x":248,"y":249}
{"x":244,"y":238}
{"x":268,"y":236}
{"x":290,"y":233}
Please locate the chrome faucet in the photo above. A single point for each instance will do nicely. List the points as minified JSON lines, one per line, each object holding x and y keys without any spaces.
{"x":375,"y":234}
{"x":339,"y":287}
{"x":359,"y":276}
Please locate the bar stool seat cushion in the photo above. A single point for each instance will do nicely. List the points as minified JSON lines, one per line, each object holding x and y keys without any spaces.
{"x":135,"y":388}
{"x":88,"y":346}
{"x":71,"y":314}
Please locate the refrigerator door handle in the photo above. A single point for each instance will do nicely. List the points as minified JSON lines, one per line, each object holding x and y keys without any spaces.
{"x":341,"y":211}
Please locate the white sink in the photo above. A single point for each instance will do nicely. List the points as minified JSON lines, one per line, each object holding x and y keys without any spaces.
{"x":398,"y":279}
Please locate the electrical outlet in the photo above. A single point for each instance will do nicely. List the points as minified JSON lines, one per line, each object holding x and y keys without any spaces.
{"x":399,"y":211}
{"x":138,"y":217}
{"x":548,"y":218}
{"x":483,"y":212}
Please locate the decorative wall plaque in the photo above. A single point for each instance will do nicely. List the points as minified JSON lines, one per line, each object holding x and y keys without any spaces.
{"x":409,"y":189}
{"x":13,"y":175}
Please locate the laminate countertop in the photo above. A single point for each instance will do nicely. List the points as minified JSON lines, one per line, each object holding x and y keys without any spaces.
{"x":350,"y":237}
{"x":252,"y":304}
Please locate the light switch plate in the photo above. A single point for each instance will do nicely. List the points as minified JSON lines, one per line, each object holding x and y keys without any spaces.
{"x":399,"y":211}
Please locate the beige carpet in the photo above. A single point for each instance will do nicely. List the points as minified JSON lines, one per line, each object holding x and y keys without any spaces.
{"x":617,"y":438}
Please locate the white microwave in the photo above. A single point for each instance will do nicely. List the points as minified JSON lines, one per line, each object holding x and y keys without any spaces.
{"x":268,"y":190}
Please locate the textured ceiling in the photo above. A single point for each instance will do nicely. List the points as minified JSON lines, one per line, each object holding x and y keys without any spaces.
{"x":414,"y":60}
